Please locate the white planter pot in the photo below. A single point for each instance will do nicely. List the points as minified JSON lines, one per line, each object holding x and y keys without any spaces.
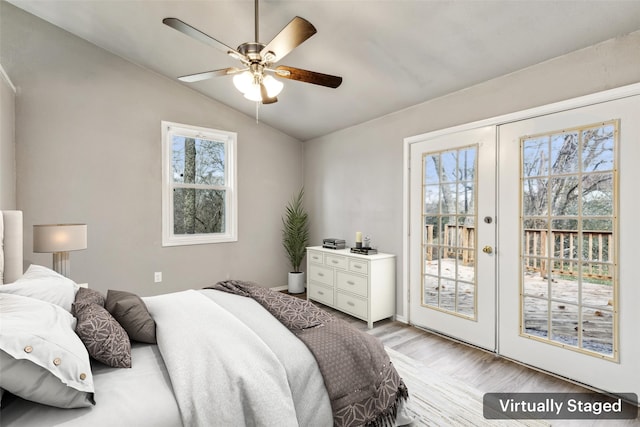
{"x":296,"y":283}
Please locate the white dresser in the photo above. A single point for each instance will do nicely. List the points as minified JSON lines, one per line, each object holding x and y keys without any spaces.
{"x":363,"y":286}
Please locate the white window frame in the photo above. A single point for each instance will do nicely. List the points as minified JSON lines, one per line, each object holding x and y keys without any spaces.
{"x":231,"y":202}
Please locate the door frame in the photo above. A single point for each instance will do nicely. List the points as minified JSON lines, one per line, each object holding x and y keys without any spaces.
{"x":583,"y":101}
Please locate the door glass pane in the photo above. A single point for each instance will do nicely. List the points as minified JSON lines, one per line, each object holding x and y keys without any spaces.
{"x":568,"y":232}
{"x":536,"y":317}
{"x":449,"y":240}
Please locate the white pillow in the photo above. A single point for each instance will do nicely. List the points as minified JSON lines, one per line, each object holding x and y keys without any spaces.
{"x":41,"y":357}
{"x":44,"y":284}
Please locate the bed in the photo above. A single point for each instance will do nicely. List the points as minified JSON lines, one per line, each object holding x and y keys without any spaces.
{"x":234,"y":354}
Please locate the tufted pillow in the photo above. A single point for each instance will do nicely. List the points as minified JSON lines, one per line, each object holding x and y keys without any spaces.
{"x":44,"y":284}
{"x":131,"y":312}
{"x":105,"y":339}
{"x":41,"y":357}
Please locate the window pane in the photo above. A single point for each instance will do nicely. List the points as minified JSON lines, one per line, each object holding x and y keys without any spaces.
{"x":564,"y":323}
{"x":430,"y":284}
{"x":431,"y":199}
{"x":467,"y":164}
{"x":465,"y":198}
{"x":597,"y":153}
{"x":570,"y":266}
{"x":597,"y":194}
{"x":564,"y":195}
{"x":449,"y":166}
{"x":198,"y":161}
{"x":466,"y":299}
{"x":198,"y":211}
{"x":535,"y":197}
{"x":536,"y":315}
{"x":564,"y":153}
{"x":536,"y":157}
{"x":597,"y":330}
{"x":431,"y":166}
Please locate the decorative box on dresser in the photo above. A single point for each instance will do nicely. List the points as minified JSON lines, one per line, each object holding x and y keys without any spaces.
{"x":363,"y":286}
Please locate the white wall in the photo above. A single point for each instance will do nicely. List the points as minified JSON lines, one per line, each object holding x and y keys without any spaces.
{"x":353,"y":177}
{"x":7,"y":143}
{"x":89,"y":150}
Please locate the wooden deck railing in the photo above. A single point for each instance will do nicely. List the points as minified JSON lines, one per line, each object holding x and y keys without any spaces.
{"x":596,"y":258}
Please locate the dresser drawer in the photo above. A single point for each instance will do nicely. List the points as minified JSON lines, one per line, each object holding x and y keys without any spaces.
{"x":315,"y":257}
{"x":321,"y":274}
{"x":352,"y":283}
{"x":320,"y":293}
{"x":358,"y":266}
{"x":351,"y":304}
{"x":335,"y":261}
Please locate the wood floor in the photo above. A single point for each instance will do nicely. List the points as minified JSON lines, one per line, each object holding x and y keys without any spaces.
{"x":479,"y":368}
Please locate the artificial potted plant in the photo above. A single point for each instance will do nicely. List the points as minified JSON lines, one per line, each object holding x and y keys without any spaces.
{"x":295,"y":236}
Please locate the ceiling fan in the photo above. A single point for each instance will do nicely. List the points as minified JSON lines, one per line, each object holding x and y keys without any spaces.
{"x":255,"y":78}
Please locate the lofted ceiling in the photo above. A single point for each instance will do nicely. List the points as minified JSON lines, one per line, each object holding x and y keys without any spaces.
{"x":391,"y":54}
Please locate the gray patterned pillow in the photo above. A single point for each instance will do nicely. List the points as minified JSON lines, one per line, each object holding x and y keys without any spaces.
{"x":88,"y":296}
{"x":105,"y":339}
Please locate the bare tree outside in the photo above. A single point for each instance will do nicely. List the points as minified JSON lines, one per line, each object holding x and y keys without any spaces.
{"x":199,"y":197}
{"x":568,"y":237}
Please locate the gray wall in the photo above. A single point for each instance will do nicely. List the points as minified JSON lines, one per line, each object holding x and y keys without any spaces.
{"x":353,"y":177}
{"x":89,"y":150}
{"x":7,"y":143}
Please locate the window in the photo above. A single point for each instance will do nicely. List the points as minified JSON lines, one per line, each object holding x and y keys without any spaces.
{"x":199,"y":195}
{"x":569,"y":236}
{"x":449,"y":216}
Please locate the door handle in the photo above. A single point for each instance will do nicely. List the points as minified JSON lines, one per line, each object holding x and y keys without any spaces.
{"x":487,"y":249}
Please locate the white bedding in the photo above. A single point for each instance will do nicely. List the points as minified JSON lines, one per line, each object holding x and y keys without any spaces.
{"x":224,"y":373}
{"x":139,"y":396}
{"x":145,"y":395}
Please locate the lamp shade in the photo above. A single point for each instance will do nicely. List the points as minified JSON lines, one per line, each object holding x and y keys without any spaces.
{"x":54,"y":238}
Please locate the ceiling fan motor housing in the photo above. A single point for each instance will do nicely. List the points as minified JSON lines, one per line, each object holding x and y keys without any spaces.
{"x":252,"y":50}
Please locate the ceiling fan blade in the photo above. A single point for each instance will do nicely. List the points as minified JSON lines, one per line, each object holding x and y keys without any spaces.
{"x":308,"y":76}
{"x":192,"y":32}
{"x":208,"y":74}
{"x":265,"y":96}
{"x":292,"y":35}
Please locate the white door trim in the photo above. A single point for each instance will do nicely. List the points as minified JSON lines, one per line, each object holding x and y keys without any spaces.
{"x":595,"y":98}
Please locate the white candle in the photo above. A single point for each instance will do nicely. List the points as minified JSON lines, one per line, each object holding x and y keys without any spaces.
{"x":358,"y":237}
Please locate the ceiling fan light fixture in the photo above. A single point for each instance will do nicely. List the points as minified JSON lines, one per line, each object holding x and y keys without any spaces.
{"x":249,"y":85}
{"x":274,"y":86}
{"x":253,"y":94}
{"x":243,"y":81}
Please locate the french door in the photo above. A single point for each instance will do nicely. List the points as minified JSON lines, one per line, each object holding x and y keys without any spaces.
{"x":523,"y":239}
{"x":568,"y":283}
{"x":453,"y":235}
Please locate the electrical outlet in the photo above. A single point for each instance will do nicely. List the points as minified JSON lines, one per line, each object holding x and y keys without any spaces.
{"x":157,"y":276}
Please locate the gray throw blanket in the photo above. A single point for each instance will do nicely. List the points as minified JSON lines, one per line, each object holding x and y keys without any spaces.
{"x":363,"y":386}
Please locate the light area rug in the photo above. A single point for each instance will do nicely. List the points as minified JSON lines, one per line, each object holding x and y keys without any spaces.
{"x":440,"y":400}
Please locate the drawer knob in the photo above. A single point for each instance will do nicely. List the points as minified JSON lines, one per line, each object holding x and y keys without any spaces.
{"x":334,"y":261}
{"x":350,"y":303}
{"x":321,"y":274}
{"x":357,"y":266}
{"x":350,"y":282}
{"x":320,"y":293}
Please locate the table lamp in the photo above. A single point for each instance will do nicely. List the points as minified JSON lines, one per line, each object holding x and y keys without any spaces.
{"x":59,"y":239}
